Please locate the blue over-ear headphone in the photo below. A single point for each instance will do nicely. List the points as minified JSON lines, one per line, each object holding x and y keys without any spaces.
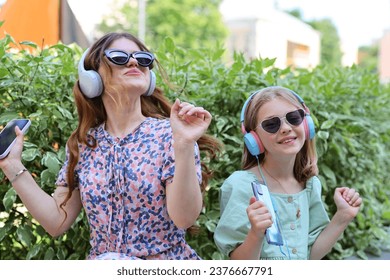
{"x":91,"y":84}
{"x":252,"y":140}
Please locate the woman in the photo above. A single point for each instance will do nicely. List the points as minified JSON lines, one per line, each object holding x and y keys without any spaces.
{"x":133,"y":163}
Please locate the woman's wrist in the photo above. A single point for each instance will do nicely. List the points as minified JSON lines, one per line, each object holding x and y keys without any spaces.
{"x":17,"y":175}
{"x":13,"y":170}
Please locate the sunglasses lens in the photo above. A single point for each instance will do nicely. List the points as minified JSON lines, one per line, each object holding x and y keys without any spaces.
{"x":118,"y":57}
{"x":271,"y":125}
{"x":144,"y":59}
{"x":295,"y":117}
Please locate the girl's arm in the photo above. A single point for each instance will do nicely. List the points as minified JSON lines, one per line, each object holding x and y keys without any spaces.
{"x":260,"y":220}
{"x":348,"y":203}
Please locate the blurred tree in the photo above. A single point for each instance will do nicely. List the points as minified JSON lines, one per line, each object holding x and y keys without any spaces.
{"x":190,"y":23}
{"x":368,"y":57}
{"x":330,"y":40}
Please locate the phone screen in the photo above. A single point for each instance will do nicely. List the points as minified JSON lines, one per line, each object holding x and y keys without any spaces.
{"x":8,"y":135}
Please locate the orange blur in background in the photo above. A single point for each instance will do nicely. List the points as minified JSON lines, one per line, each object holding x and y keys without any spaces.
{"x":36,"y":21}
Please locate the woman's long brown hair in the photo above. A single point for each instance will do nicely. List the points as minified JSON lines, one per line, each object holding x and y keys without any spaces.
{"x":91,"y":113}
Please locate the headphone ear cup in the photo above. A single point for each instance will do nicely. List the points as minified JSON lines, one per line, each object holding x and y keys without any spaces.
{"x":309,"y":127}
{"x":253,"y":143}
{"x":152,"y":84}
{"x":90,"y":82}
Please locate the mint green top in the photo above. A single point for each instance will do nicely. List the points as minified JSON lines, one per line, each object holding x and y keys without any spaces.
{"x":302,"y":217}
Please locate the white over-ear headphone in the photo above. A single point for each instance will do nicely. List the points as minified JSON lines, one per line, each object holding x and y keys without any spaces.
{"x":91,"y":84}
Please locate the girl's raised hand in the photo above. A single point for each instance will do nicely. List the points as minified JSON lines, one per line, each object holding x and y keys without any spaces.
{"x":348,"y":201}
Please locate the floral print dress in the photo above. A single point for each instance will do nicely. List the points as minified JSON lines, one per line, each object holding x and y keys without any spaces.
{"x":122,"y":185}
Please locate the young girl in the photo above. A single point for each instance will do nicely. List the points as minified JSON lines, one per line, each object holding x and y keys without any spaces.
{"x":280,"y":153}
{"x":133,"y":163}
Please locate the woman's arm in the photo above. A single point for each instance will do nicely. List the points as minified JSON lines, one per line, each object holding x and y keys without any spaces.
{"x":184,"y":197}
{"x":43,"y":207}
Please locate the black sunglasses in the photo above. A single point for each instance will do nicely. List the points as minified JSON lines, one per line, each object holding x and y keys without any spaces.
{"x":273,"y":125}
{"x":119,"y":57}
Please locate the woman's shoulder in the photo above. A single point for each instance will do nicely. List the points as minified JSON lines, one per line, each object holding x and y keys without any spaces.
{"x":157,"y":124}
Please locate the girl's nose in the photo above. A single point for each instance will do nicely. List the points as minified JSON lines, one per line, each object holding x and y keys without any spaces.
{"x":285,"y":126}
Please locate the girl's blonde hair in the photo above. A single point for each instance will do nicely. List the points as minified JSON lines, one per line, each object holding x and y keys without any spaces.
{"x":306,"y":160}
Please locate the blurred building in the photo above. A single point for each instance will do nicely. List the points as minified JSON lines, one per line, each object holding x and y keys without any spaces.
{"x":350,"y":54}
{"x":384,"y":57}
{"x":44,"y":22}
{"x":260,"y":30}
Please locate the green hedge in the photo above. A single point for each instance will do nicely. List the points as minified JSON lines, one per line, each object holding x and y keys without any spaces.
{"x":348,"y":106}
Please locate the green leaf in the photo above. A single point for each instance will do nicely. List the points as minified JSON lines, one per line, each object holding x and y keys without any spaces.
{"x":386,"y":215}
{"x":7,"y":116}
{"x":24,"y":235}
{"x":49,"y":254}
{"x":169,"y":44}
{"x":61,"y":254}
{"x":30,"y":154}
{"x":51,"y":161}
{"x":328,"y":124}
{"x":210,"y":225}
{"x":33,"y":251}
{"x":328,"y":173}
{"x":9,"y":199}
{"x":46,"y":176}
{"x":29,"y":43}
{"x":4,"y":231}
{"x":323,"y":134}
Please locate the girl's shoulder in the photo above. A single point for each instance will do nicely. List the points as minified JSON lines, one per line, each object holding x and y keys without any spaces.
{"x":313,"y":183}
{"x":313,"y":186}
{"x":238,"y":181}
{"x":241,"y":176}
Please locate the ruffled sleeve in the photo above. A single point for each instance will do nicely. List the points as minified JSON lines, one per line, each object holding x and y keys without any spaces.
{"x":234,"y":224}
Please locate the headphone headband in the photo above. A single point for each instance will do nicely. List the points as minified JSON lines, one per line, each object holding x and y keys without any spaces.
{"x":300,"y":100}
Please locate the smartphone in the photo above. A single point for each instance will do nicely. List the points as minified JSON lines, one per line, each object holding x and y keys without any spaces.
{"x":8,"y":135}
{"x":273,"y":233}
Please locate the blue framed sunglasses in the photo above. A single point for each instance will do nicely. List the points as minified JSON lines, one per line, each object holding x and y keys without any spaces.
{"x":120,"y":57}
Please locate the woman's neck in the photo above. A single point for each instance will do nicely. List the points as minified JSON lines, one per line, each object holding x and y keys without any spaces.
{"x":122,"y":119}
